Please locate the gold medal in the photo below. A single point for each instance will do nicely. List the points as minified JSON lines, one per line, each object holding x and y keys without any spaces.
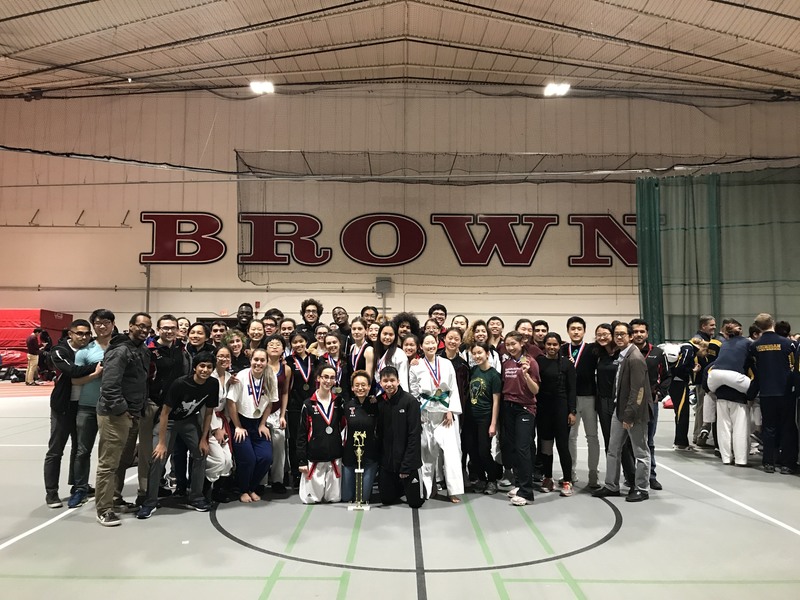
{"x":257,"y":413}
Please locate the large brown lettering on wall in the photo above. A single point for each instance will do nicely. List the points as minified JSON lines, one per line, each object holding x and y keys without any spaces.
{"x":409,"y":244}
{"x":387,"y":239}
{"x":271,"y":230}
{"x":499,"y":238}
{"x":183,"y":238}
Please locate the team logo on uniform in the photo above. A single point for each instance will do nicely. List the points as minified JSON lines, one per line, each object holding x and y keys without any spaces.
{"x":352,"y":411}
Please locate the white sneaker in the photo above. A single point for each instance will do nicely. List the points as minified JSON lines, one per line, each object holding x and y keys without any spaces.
{"x":504,"y":483}
{"x":519,"y":501}
{"x":512,"y":493}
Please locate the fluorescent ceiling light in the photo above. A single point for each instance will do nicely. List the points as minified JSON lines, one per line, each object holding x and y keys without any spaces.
{"x":262,"y":87}
{"x":556,"y":89}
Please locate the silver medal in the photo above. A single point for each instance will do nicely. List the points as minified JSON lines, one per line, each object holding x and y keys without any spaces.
{"x":329,"y":430}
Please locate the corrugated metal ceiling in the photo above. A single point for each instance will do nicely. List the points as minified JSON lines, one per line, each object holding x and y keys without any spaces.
{"x":739,"y":49}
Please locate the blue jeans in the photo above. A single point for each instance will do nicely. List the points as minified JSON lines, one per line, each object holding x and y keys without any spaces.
{"x":349,"y":480}
{"x":87,"y":434}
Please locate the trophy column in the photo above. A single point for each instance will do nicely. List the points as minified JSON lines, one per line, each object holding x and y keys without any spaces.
{"x":359,"y":438}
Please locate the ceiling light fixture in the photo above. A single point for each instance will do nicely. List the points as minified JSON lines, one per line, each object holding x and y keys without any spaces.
{"x":556,"y":89}
{"x":263,"y":86}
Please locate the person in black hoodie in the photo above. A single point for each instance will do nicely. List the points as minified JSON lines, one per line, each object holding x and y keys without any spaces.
{"x":63,"y":411}
{"x":123,"y":393}
{"x":400,"y":431}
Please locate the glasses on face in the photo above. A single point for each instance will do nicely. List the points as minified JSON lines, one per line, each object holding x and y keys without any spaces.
{"x":81,"y":333}
{"x":311,"y":311}
{"x":621,"y":334}
{"x":102,"y":323}
{"x":163,"y":328}
{"x":602,"y":334}
{"x":438,"y":313}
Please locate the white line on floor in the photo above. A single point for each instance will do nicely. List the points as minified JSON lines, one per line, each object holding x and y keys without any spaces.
{"x":66,"y":513}
{"x":24,"y":445}
{"x":758,"y":513}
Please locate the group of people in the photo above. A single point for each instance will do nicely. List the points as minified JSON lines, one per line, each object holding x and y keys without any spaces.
{"x":423,"y":409}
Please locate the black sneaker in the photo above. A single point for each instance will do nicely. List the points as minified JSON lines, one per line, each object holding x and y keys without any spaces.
{"x":164,"y":492}
{"x":787,"y":471}
{"x":125,"y":507}
{"x":90,"y":492}
{"x":200,"y":505}
{"x":145,"y":512}
{"x":769,"y":468}
{"x":109,"y":519}
{"x":77,"y":499}
{"x":53,"y":501}
{"x":278,"y":488}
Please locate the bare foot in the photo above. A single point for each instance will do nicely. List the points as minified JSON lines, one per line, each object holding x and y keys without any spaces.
{"x":455,"y":499}
{"x":254,"y":497}
{"x":245,"y":497}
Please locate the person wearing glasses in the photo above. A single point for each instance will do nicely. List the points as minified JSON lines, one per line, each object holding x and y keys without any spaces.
{"x":87,"y":390}
{"x":123,"y":394}
{"x":319,"y":443}
{"x":63,"y":408}
{"x":171,"y":362}
{"x":311,"y":312}
{"x":631,"y":415}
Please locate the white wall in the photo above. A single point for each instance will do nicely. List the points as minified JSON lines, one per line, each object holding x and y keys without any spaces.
{"x":81,"y":266}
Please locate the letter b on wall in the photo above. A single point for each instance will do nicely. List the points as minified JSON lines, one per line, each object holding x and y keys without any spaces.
{"x":183,"y":238}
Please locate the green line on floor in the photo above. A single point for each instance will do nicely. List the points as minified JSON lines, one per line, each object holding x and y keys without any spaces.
{"x":344,"y":581}
{"x":532,"y":526}
{"x":351,"y":549}
{"x":500,"y":585}
{"x":573,"y":585}
{"x":300,"y":524}
{"x":271,"y":581}
{"x":487,"y":554}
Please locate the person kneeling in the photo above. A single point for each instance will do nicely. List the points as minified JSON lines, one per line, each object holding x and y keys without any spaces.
{"x":180,"y":418}
{"x":319,"y":443}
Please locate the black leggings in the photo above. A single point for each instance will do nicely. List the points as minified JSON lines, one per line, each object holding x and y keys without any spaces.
{"x":552,"y":426}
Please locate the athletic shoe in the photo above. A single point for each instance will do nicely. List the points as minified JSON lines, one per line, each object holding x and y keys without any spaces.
{"x":787,"y":471}
{"x":125,"y":507}
{"x":767,"y":469}
{"x":548,"y":485}
{"x":145,"y":512}
{"x":164,"y":492}
{"x":53,"y":501}
{"x":89,"y":492}
{"x":683,"y":448}
{"x":491,"y":489}
{"x":505,"y":482}
{"x":512,"y":493}
{"x":566,"y":489}
{"x":78,"y":498}
{"x":478,"y":487}
{"x":278,"y":488}
{"x":200,"y":504}
{"x":701,"y":439}
{"x":109,"y":519}
{"x":655,"y":484}
{"x":519,"y":501}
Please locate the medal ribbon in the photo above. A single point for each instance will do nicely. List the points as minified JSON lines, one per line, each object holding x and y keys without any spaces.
{"x":307,"y":373}
{"x":327,"y":415}
{"x":354,"y":358}
{"x":336,"y":364}
{"x":577,"y":358}
{"x":433,"y":370}
{"x":257,"y":390}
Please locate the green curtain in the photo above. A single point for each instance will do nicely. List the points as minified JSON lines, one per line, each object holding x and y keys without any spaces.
{"x":725,"y":243}
{"x":648,"y":236}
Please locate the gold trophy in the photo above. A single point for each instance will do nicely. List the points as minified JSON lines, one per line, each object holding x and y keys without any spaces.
{"x":359,"y":438}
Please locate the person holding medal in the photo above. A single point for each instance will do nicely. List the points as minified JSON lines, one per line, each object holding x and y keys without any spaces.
{"x":341,"y":364}
{"x":276,"y":419}
{"x":361,"y":414}
{"x":301,"y":386}
{"x":252,"y":446}
{"x":433,"y":383}
{"x":319,"y":442}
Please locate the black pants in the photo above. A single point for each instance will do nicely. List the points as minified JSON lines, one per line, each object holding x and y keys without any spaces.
{"x":779,"y":430}
{"x":62,"y":428}
{"x":552,"y":426}
{"x":292,"y":427}
{"x":391,"y":487}
{"x":605,"y":412}
{"x":482,"y":465}
{"x":679,"y":392}
{"x":518,"y":435}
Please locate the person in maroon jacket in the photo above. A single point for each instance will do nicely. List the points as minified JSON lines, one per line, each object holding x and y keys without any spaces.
{"x":33,"y":347}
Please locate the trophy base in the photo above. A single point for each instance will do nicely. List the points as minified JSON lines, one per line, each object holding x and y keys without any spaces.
{"x":358,"y":507}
